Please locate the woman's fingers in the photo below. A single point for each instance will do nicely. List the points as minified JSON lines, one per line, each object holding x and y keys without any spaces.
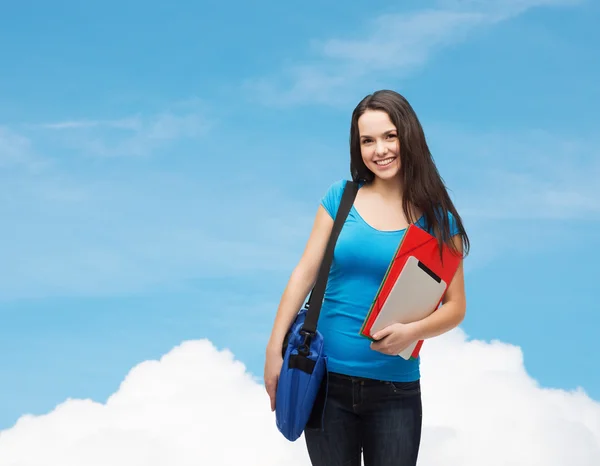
{"x":271,"y":386}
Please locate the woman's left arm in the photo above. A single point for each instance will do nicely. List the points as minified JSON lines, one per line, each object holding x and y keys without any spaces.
{"x":396,"y":337}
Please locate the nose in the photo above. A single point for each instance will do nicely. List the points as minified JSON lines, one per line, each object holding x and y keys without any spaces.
{"x":381,"y":148}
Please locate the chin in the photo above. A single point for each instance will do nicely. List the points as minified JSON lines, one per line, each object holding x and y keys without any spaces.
{"x":387,"y":174}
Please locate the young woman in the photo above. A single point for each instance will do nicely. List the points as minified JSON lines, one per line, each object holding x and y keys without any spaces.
{"x":373,"y":402}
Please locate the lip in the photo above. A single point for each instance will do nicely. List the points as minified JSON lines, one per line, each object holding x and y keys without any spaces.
{"x":385,"y":167}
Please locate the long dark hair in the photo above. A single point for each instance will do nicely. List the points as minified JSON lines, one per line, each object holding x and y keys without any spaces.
{"x":424,"y":188}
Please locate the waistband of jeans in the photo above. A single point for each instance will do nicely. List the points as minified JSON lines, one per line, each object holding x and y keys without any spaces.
{"x":335,"y":376}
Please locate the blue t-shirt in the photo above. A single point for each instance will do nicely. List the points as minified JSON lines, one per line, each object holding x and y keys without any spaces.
{"x":361,"y":258}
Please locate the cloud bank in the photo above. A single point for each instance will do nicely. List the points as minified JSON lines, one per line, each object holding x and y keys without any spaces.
{"x":198,"y":405}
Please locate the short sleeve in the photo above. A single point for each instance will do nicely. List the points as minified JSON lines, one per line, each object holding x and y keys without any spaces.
{"x":453,"y":226}
{"x":331,"y":200}
{"x":451,"y":223}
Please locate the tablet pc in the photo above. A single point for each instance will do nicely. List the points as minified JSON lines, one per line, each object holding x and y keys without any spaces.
{"x":415,"y":294}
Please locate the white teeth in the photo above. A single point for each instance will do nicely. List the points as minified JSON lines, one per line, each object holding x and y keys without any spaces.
{"x":384,"y":162}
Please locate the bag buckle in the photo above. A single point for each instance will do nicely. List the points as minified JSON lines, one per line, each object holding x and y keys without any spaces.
{"x":304,"y":348}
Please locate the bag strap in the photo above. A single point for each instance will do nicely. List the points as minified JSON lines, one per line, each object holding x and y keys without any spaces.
{"x":318,"y":292}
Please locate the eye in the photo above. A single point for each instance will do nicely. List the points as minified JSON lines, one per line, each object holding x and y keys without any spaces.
{"x":366,"y":140}
{"x":392,"y":136}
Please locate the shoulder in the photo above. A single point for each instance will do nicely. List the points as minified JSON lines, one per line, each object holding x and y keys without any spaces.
{"x":454,"y":230}
{"x":332,"y":197}
{"x":453,"y":225}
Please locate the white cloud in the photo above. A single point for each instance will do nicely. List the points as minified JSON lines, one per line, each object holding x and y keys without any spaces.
{"x":535,"y":175}
{"x":12,"y":146}
{"x":137,"y":136}
{"x":194,"y":406}
{"x":134,"y":135}
{"x":198,"y":406}
{"x":483,"y":408}
{"x":126,"y":123}
{"x":16,"y":151}
{"x":395,"y":43}
{"x":403,"y":40}
{"x":503,"y":9}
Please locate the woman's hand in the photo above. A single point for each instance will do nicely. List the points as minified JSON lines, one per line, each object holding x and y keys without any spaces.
{"x":394,"y":338}
{"x":273,"y":363}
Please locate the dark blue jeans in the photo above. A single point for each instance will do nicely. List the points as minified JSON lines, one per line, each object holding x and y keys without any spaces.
{"x":381,"y":419}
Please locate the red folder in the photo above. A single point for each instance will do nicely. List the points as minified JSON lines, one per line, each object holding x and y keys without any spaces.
{"x":424,"y":247}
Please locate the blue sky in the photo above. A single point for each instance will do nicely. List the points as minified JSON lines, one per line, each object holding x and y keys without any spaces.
{"x":160,"y":166}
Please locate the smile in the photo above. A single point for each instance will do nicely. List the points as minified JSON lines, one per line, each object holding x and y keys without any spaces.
{"x":384,"y":162}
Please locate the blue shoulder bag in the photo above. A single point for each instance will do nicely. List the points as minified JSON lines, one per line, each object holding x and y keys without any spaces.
{"x":302,"y":379}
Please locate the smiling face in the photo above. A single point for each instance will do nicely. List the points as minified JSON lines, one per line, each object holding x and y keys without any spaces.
{"x":379,"y":144}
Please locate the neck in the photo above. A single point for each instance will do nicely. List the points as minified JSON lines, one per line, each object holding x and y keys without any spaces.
{"x":389,"y":189}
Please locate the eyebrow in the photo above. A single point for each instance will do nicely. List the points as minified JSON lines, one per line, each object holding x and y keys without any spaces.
{"x":394,"y":130}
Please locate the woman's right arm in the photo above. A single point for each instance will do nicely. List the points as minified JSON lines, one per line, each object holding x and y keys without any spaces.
{"x":302,"y":279}
{"x":299,"y":285}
